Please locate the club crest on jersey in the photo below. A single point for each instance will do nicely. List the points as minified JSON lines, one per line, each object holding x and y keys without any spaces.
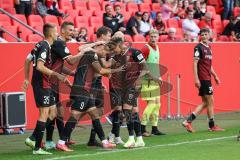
{"x":43,"y":55}
{"x":66,"y":50}
{"x":95,"y":56}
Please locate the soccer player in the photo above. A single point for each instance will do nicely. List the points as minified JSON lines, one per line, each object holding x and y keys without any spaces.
{"x":103,"y":35}
{"x":81,"y":97}
{"x":42,"y":63}
{"x":203,"y":71}
{"x":150,"y":90}
{"x":124,"y":93}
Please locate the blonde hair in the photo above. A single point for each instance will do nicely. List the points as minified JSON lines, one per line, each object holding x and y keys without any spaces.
{"x":153,"y":31}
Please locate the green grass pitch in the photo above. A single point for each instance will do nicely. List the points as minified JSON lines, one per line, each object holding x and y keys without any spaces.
{"x":176,"y":145}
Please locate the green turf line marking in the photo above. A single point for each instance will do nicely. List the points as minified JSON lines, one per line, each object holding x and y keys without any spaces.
{"x":149,"y":147}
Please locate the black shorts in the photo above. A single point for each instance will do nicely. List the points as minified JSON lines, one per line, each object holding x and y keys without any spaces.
{"x":82,"y":102}
{"x":206,"y":88}
{"x":98,"y":92}
{"x":44,"y":97}
{"x":119,"y":97}
{"x":55,"y":91}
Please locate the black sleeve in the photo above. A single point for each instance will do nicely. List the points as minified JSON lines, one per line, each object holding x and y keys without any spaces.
{"x":59,"y":48}
{"x":138,"y":56}
{"x":92,"y":57}
{"x":42,"y":49}
{"x":197,"y":52}
{"x":131,"y":23}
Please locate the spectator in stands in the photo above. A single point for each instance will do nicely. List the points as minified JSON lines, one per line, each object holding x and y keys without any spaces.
{"x":133,"y":24}
{"x":228,"y":8}
{"x":52,"y":6}
{"x":232,"y":29}
{"x":185,"y":5}
{"x":188,"y":25}
{"x":119,"y":16}
{"x":168,"y":9}
{"x":187,"y":37}
{"x":206,"y":21}
{"x":111,"y":21}
{"x":180,"y":12}
{"x":83,"y":35}
{"x":159,"y":25}
{"x":23,"y":7}
{"x":172,"y":36}
{"x":198,"y":13}
{"x":145,"y":25}
{"x":41,"y":8}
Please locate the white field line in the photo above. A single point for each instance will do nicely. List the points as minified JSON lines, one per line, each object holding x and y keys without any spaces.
{"x":129,"y":150}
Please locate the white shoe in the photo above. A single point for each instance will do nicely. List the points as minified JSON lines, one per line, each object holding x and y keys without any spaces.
{"x":118,"y":140}
{"x":111,"y":138}
{"x":130,"y":143}
{"x":30,"y":143}
{"x":139,"y":142}
{"x":41,"y":151}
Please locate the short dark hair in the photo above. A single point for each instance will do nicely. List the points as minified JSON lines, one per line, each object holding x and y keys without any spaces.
{"x":114,"y":42}
{"x":107,"y":5}
{"x":189,"y":10}
{"x":46,"y":29}
{"x":204,"y":30}
{"x":103,"y":31}
{"x":66,"y":23}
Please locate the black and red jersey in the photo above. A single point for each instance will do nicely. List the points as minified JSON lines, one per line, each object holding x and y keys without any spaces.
{"x":41,"y":52}
{"x":204,"y":54}
{"x":84,"y":75}
{"x":59,"y":53}
{"x":132,"y":59}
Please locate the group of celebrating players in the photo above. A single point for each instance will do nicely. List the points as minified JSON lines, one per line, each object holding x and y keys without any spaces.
{"x":131,"y":73}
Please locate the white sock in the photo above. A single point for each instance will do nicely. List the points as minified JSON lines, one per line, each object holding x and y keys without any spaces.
{"x":105,"y":141}
{"x":118,"y":138}
{"x":131,"y":138}
{"x":139,"y":138}
{"x":61,"y":142}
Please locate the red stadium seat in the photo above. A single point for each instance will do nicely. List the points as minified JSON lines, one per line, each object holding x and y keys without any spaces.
{"x":217,"y":17}
{"x":172,"y":23}
{"x":104,"y":3}
{"x":68,"y":19}
{"x":7,"y":4}
{"x":39,"y":28}
{"x":10,"y":10}
{"x":156,"y":7}
{"x":132,"y":7}
{"x":95,"y":21}
{"x":22,"y":18}
{"x":80,"y":5}
{"x":86,"y":13}
{"x":34,"y":38}
{"x":223,"y":39}
{"x":217,"y":4}
{"x":196,"y":21}
{"x":51,"y":19}
{"x":98,"y":13}
{"x":162,"y":38}
{"x":81,"y":21}
{"x":65,"y":5}
{"x":24,"y":32}
{"x":217,"y":25}
{"x":5,"y":20}
{"x":139,"y":38}
{"x":236,"y":11}
{"x":127,"y":16}
{"x":211,"y":9}
{"x":144,"y":7}
{"x":94,"y":5}
{"x":11,"y":29}
{"x":72,"y":13}
{"x":35,"y":20}
{"x":128,"y":38}
{"x":225,"y":23}
{"x":93,"y":37}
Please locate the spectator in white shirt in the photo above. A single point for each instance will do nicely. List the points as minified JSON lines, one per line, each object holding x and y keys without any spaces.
{"x":145,"y":25}
{"x":188,"y":24}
